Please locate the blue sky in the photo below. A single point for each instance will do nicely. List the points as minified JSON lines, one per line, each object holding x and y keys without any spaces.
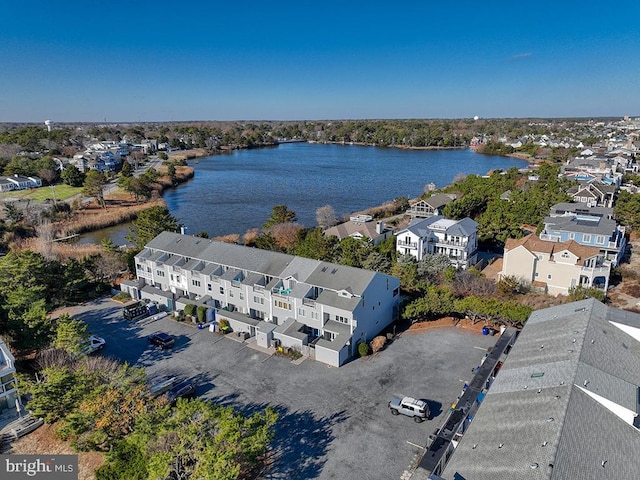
{"x":196,"y":60}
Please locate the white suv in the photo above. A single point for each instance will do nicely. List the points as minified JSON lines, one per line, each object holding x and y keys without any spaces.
{"x":418,"y":409}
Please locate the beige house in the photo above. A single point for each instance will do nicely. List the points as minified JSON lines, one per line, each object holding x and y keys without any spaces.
{"x":361,"y":227}
{"x":555,"y":266}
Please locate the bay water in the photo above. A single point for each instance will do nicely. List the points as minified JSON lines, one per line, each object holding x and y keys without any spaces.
{"x":235,"y":191}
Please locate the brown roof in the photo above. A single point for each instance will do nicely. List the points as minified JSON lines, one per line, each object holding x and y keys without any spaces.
{"x":535,"y":245}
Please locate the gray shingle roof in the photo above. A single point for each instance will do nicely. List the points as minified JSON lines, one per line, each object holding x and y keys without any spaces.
{"x":569,"y":369}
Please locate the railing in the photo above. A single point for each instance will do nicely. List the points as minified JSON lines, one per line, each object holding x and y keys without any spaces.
{"x":235,"y":283}
{"x":8,"y":386}
{"x":309,"y":302}
{"x":258,"y":289}
{"x":448,"y":242}
{"x":408,"y":244}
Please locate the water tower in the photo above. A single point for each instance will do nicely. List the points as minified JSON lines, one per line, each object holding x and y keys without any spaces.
{"x":48,"y":123}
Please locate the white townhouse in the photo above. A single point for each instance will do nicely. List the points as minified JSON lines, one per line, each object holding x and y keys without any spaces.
{"x":322,"y":309}
{"x":8,"y":385}
{"x":456,"y":239}
{"x":19,"y":182}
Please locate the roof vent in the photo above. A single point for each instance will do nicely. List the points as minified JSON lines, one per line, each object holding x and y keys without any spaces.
{"x":541,"y":347}
{"x":544,"y":444}
{"x":586,"y":382}
{"x":533,"y":466}
{"x":475,"y":445}
{"x":592,"y":342}
{"x":539,"y":390}
{"x":604,"y":462}
{"x":501,"y":445}
{"x":550,"y":419}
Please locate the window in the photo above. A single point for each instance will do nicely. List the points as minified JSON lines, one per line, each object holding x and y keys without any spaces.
{"x":160,"y":273}
{"x":241,"y":296}
{"x":148,"y":269}
{"x":600,"y":239}
{"x":586,"y":238}
{"x":549,"y":277}
{"x":301,"y":312}
{"x":283,"y":305}
{"x":396,"y":292}
{"x":314,"y":315}
{"x":572,"y":236}
{"x":195,"y":283}
{"x":139,"y":267}
{"x":259,"y":300}
{"x":537,"y":274}
{"x":231,"y":293}
{"x":209,"y":286}
{"x":564,"y":255}
{"x":221,"y":291}
{"x":342,"y":319}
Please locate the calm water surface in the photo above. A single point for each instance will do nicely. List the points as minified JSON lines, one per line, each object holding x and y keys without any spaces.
{"x":234,"y":192}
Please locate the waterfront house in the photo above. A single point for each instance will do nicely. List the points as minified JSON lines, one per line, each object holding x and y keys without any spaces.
{"x":429,"y":207}
{"x":319,"y":308}
{"x":456,"y":239}
{"x":564,"y":404}
{"x":556,"y":267}
{"x":361,"y":227}
{"x":8,"y":385}
{"x":588,"y":230}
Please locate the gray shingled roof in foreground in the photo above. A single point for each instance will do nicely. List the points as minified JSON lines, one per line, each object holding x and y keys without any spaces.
{"x":564,"y":402}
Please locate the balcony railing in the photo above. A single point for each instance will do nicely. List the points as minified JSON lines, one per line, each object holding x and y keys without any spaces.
{"x":456,"y":243}
{"x":309,"y":302}
{"x":408,"y":244}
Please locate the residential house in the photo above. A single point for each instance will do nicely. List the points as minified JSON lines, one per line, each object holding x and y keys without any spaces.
{"x":588,"y":230}
{"x":555,"y":266}
{"x":594,"y":193}
{"x":6,"y":185}
{"x":579,"y":208}
{"x":8,"y":385}
{"x":564,"y":404}
{"x":456,"y":239}
{"x":320,"y":308}
{"x":361,"y":227}
{"x":431,"y":206}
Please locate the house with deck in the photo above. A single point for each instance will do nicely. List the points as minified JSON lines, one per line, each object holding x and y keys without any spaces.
{"x":456,"y":239}
{"x":589,"y":230}
{"x":321,"y":309}
{"x":8,"y":384}
{"x":429,"y":207}
{"x":361,"y":227}
{"x":556,"y":267}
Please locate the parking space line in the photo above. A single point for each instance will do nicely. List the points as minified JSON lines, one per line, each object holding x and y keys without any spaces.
{"x":484,"y":349}
{"x":415,"y":445}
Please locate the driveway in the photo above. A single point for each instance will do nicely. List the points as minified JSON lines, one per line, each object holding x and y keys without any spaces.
{"x":334,"y":422}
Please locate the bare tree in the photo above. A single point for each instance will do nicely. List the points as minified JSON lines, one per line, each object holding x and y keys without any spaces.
{"x":326,"y":216}
{"x":286,"y":234}
{"x":45,"y":232}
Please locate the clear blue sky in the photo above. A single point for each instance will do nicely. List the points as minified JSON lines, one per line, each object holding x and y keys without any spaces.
{"x":243,"y":60}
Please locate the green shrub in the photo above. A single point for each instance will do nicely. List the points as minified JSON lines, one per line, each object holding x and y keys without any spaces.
{"x":363,"y":349}
{"x":202,"y":314}
{"x":121,"y":297}
{"x":189,"y":309}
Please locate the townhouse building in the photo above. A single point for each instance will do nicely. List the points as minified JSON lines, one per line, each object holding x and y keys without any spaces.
{"x":19,"y":182}
{"x":588,"y":230}
{"x":8,"y":384}
{"x":322,"y":309}
{"x":564,"y":404}
{"x":456,"y":239}
{"x":557,"y":267}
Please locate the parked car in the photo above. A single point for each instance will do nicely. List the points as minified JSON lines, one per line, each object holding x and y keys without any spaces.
{"x":184,"y":389}
{"x":161,"y":340}
{"x":92,"y":345}
{"x":418,"y":409}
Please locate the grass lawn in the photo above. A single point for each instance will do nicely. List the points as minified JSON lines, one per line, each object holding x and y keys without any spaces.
{"x":62,"y":192}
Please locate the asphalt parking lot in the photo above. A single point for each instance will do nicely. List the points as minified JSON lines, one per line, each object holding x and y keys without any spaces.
{"x":334,"y":422}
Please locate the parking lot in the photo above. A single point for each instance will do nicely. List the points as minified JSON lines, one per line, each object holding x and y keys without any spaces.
{"x":334,"y":422}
